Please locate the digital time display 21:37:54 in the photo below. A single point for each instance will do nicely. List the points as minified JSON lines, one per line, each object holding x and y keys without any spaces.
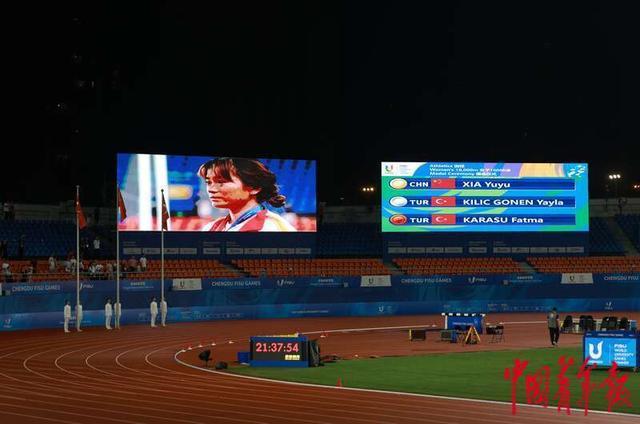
{"x":278,"y":351}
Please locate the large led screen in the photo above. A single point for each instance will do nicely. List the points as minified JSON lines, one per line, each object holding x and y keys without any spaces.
{"x":209,"y":193}
{"x":484,"y":197}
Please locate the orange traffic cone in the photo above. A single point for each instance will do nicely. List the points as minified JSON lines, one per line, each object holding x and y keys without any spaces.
{"x":339,"y":383}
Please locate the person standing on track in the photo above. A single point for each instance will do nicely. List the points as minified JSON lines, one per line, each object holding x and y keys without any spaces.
{"x":108,"y":313}
{"x":553,"y":322}
{"x":67,"y":316}
{"x":163,"y":312}
{"x":153,"y":308}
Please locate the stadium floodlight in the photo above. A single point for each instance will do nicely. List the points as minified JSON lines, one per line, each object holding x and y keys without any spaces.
{"x":636,"y":186}
{"x":615,"y":177}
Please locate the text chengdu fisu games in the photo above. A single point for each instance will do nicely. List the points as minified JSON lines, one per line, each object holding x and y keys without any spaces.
{"x":484,"y":197}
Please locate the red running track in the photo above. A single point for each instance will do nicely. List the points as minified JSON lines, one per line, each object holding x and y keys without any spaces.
{"x":131,"y":376}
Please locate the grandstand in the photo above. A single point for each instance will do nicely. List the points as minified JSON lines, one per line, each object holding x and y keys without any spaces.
{"x":311,"y":267}
{"x":349,"y":240}
{"x":602,"y":240}
{"x":593,"y":264}
{"x":344,"y":249}
{"x":630,"y":224}
{"x":458,"y":266}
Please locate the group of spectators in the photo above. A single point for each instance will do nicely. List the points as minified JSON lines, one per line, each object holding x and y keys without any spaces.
{"x":94,"y":271}
{"x":25,"y":274}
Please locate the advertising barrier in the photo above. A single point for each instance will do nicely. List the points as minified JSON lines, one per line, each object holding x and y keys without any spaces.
{"x":39,"y":305}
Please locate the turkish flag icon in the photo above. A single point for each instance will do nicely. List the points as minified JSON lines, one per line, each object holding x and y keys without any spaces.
{"x":443,"y":219}
{"x":443,"y":183}
{"x":443,"y":201}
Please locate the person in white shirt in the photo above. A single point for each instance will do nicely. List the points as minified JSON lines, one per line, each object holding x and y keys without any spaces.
{"x":92,"y":269}
{"x":6,"y":272}
{"x":118,"y":311}
{"x":108,"y":313}
{"x":67,"y":316}
{"x":99,"y":271}
{"x":143,"y":263}
{"x":153,"y":308}
{"x":163,"y":312}
{"x":52,"y":264}
{"x":78,"y":317}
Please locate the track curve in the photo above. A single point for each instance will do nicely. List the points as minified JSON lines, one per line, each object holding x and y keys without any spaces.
{"x":131,"y":376}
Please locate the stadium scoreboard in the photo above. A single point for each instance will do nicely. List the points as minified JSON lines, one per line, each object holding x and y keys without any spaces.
{"x":603,"y":348}
{"x":484,"y":197}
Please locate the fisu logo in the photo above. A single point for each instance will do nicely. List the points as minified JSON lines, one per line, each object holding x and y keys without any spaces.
{"x":595,"y":354}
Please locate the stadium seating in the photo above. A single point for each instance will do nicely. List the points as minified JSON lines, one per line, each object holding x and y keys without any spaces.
{"x":630,"y":224}
{"x":457,"y":266}
{"x":41,"y":238}
{"x":179,"y":268}
{"x":311,"y":267}
{"x":349,"y":239}
{"x":601,"y":240}
{"x":594,"y":264}
{"x":173,"y":269}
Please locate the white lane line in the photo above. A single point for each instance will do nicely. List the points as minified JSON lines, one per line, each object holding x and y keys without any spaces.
{"x":11,"y":397}
{"x":4,"y":411}
{"x":295,"y":383}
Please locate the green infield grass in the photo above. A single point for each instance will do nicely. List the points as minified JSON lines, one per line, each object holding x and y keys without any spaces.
{"x":474,"y":375}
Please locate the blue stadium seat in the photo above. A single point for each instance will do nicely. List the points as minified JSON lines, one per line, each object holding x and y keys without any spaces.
{"x":630,"y":224}
{"x":349,"y":239}
{"x":601,"y":240}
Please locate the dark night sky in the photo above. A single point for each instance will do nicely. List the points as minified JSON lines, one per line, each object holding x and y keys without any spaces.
{"x":349,"y":84}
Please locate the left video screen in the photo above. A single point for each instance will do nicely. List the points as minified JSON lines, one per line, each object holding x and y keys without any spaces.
{"x":212,"y":193}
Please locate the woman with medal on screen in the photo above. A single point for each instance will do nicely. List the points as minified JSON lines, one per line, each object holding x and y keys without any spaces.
{"x":243,"y":187}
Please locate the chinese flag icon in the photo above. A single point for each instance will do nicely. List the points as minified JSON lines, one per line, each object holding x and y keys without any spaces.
{"x":443,"y":219}
{"x":443,"y":201}
{"x":443,"y":183}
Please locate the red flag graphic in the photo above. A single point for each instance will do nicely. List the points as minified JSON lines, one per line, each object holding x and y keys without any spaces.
{"x":165,"y":214}
{"x":443,"y":219}
{"x":121,"y":206}
{"x":443,"y":183}
{"x":443,"y":201}
{"x":82,"y":222}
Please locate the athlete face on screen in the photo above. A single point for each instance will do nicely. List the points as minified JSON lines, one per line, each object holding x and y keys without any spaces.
{"x":230,"y":193}
{"x":243,"y":187}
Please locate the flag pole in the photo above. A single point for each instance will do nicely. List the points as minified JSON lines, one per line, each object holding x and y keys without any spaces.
{"x":77,"y":246}
{"x":117,"y":249}
{"x":162,"y":248}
